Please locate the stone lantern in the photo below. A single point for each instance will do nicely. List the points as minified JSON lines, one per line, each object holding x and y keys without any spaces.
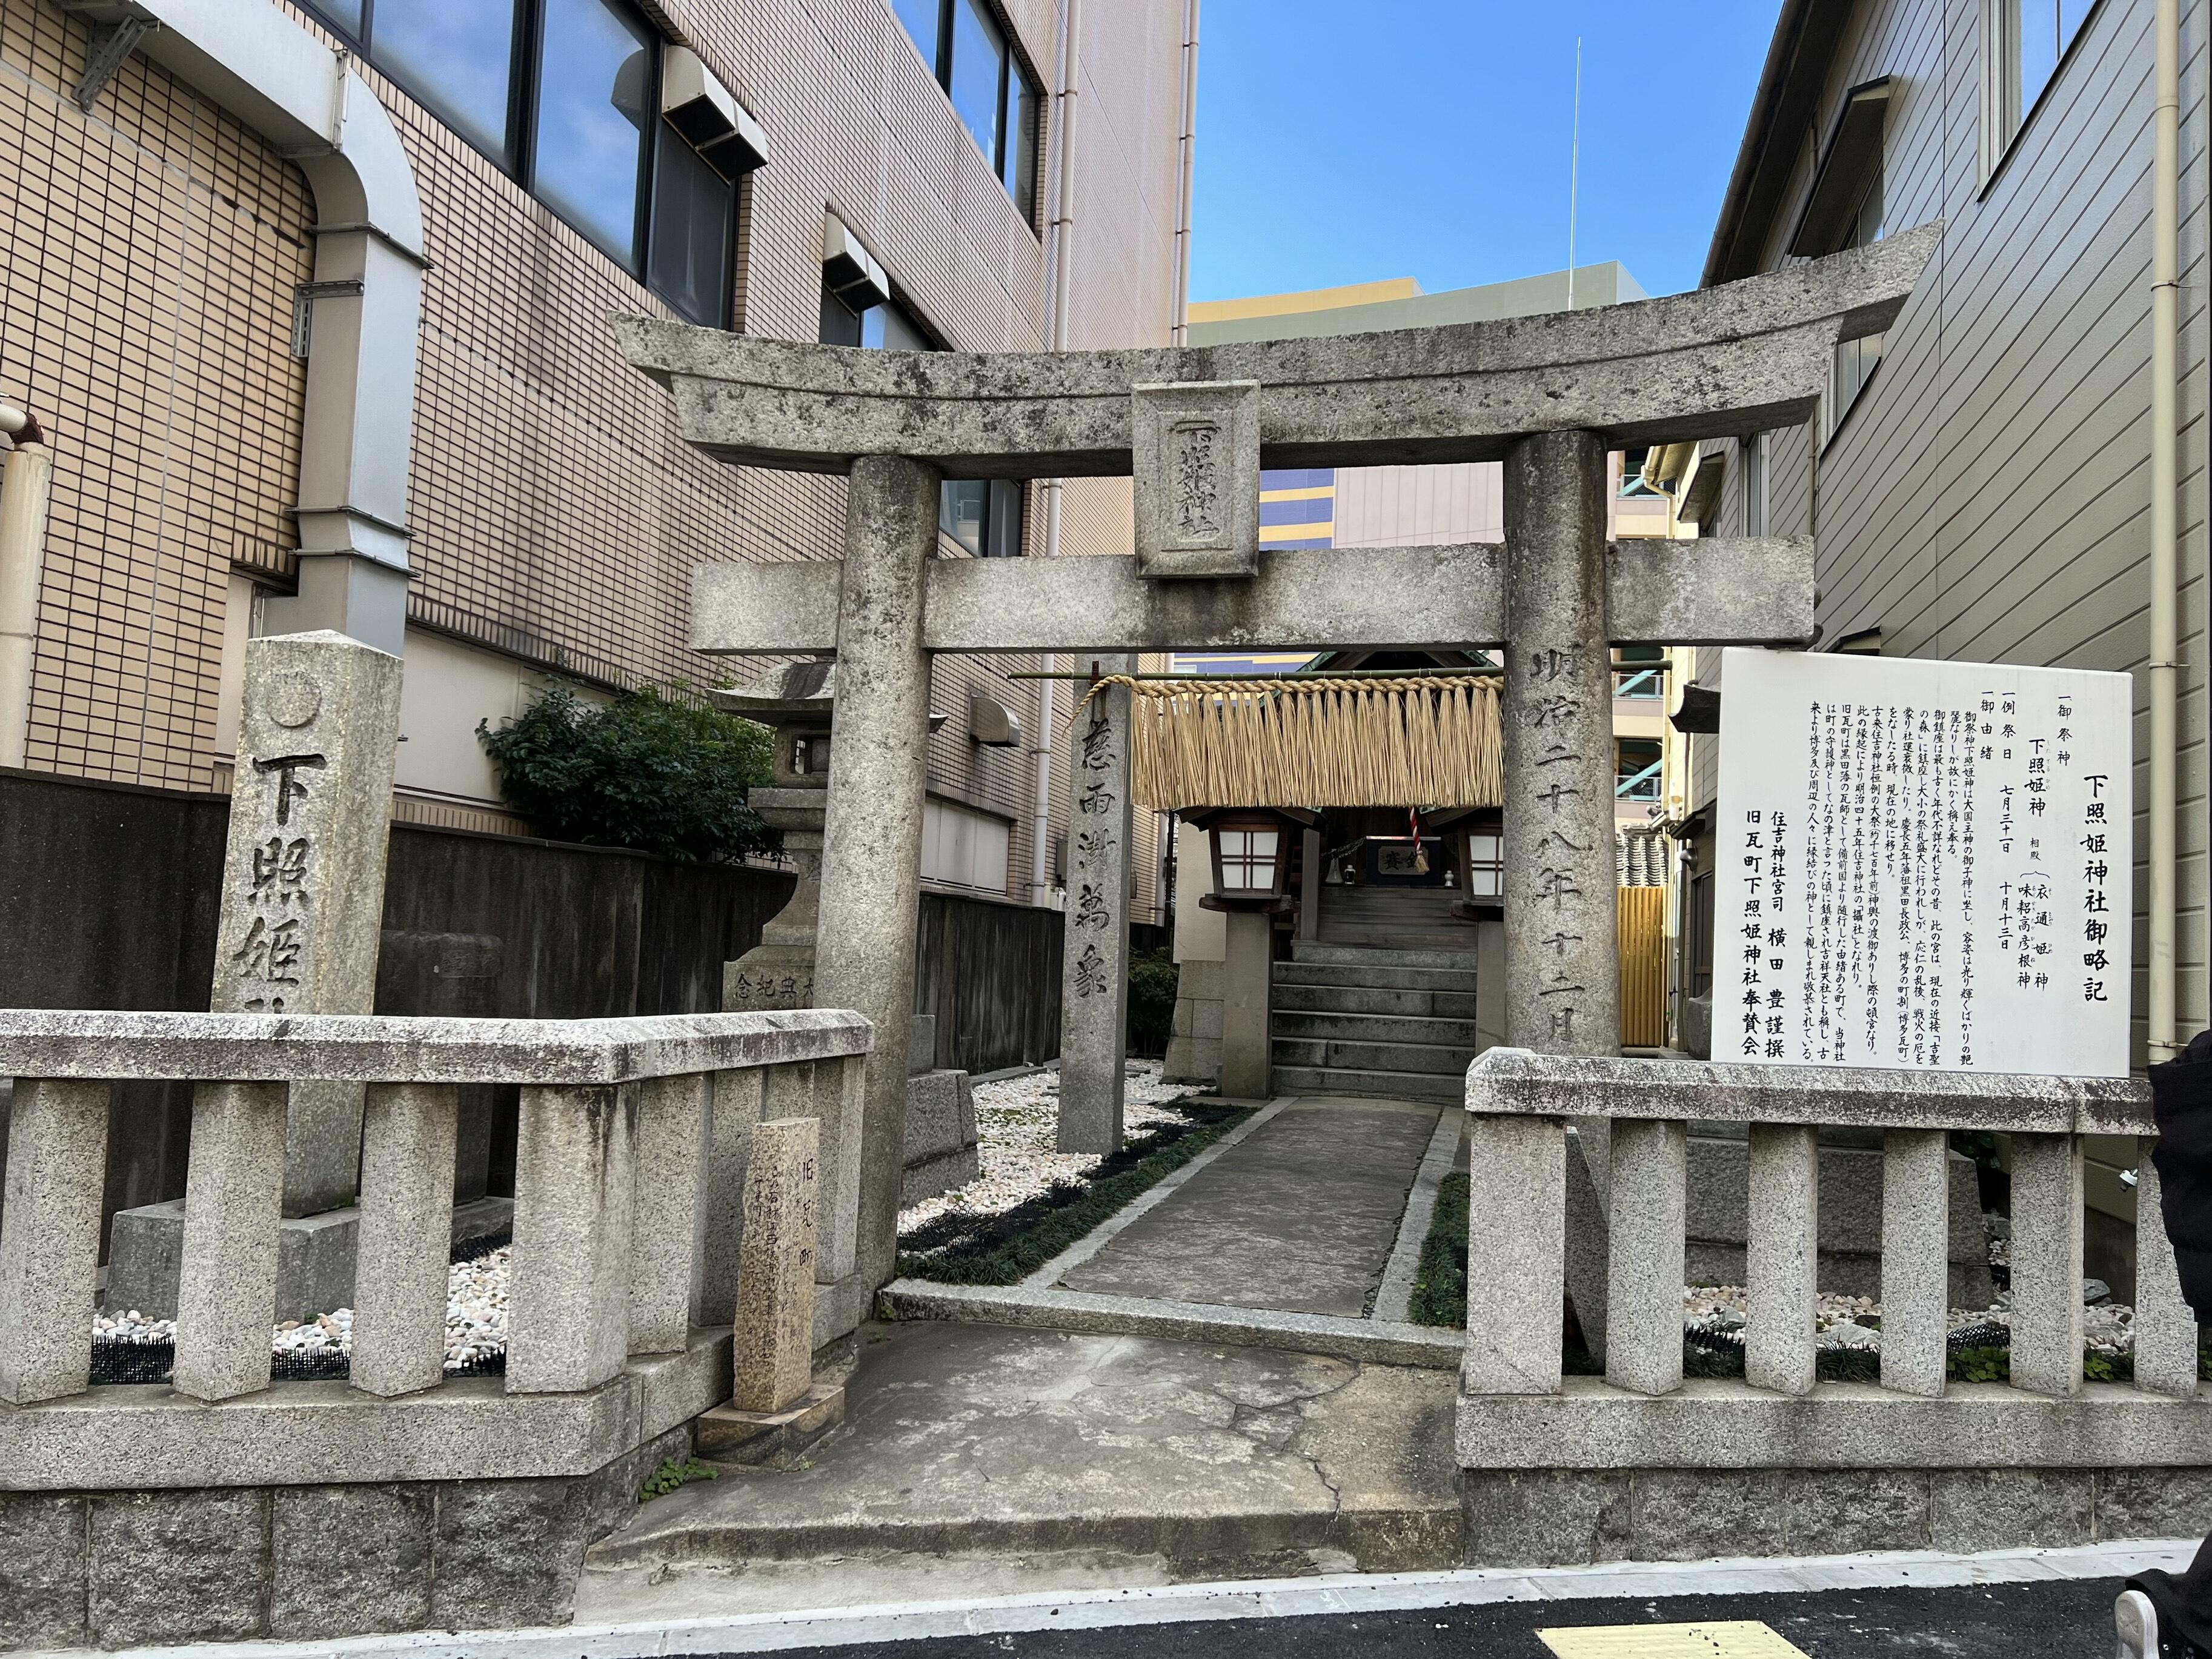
{"x":793,"y":702}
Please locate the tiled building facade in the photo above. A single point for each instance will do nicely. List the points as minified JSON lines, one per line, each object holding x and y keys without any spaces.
{"x":148,"y":270}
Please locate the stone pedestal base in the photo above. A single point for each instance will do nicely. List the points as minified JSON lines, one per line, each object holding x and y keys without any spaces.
{"x":940,"y":1135}
{"x":315,"y":1261}
{"x":770,"y":1439}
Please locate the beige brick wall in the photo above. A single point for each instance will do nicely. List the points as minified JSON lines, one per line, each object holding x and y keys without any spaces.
{"x":147,"y":274}
{"x":148,"y":259}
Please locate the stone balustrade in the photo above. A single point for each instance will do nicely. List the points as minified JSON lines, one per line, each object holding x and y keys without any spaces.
{"x":628,"y":1178}
{"x":1517,"y":1412}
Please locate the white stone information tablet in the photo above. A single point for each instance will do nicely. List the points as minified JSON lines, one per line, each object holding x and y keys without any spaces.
{"x":1922,"y":864}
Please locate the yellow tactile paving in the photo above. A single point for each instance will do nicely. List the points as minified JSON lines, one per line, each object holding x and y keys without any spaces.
{"x":1745,"y":1638}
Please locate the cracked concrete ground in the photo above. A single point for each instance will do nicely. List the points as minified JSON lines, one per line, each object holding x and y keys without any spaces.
{"x":1121,"y":1456}
{"x":1299,"y":1216}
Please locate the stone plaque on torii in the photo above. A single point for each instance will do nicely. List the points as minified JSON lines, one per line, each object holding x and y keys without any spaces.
{"x":1549,"y":396}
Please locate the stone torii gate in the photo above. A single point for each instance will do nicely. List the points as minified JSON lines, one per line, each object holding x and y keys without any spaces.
{"x":1547,"y":395}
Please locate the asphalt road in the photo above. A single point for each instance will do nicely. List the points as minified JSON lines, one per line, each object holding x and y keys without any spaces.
{"x":2045,"y":1620}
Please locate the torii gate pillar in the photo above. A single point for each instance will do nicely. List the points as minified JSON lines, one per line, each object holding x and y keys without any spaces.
{"x":871,"y":831}
{"x":1562,"y":973}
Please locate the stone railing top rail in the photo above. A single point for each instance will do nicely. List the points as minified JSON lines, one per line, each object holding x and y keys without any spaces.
{"x":383,"y":1048}
{"x":1738,"y":357}
{"x":1519,"y":1081}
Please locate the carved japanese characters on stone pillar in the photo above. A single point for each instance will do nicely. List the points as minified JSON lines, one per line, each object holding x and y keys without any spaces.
{"x":303,"y":890}
{"x":1196,"y":453}
{"x":1094,"y":990}
{"x":303,"y":874}
{"x":1563,"y":990}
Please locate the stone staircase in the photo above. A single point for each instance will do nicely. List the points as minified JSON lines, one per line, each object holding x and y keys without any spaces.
{"x":1352,"y":1019}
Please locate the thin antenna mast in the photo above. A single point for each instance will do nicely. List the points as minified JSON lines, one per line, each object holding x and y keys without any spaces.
{"x":1574,"y":170}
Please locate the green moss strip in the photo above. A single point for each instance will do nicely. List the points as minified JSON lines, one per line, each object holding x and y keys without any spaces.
{"x":1004,"y":1249}
{"x":1440,"y":1281}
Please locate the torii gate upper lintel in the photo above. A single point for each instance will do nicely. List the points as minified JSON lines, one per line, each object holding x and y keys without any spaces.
{"x":1550,"y":395}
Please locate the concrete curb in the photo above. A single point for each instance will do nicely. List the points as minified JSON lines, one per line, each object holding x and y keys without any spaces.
{"x":1395,"y":1295}
{"x":769,"y":1633}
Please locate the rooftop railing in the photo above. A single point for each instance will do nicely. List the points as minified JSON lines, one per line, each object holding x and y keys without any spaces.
{"x":1519,"y":1411}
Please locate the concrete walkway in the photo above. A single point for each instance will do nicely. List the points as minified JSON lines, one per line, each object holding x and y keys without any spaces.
{"x":1215,"y":1461}
{"x":1301,"y":1216}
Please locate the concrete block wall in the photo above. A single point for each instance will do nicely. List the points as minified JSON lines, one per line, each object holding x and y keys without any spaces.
{"x":126,"y":1569}
{"x":1570,"y":1517}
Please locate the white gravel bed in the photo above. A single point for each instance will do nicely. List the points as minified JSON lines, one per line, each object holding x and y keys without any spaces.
{"x":476,"y":1319}
{"x":2106,"y":1327}
{"x":1014,"y":1121}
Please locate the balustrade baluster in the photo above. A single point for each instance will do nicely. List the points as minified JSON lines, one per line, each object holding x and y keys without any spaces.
{"x":49,"y":1237}
{"x":1916,"y":1268}
{"x":226,"y":1284}
{"x":568,"y":1301}
{"x":2165,"y":1327}
{"x":1643,"y":1303}
{"x":1515,"y":1254}
{"x":1781,"y":1255}
{"x":671,"y":1113}
{"x":2046,"y":1264}
{"x":408,"y":1132}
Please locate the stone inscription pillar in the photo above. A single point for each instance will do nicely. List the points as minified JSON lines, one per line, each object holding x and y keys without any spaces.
{"x":1562,"y":968}
{"x":303,"y":873}
{"x":1094,"y":990}
{"x":1562,"y":963}
{"x":871,"y":829}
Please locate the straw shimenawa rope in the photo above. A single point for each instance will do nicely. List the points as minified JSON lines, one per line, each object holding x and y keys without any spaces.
{"x":1427,"y":741}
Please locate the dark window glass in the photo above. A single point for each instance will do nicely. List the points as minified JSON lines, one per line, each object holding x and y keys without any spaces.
{"x":1019,"y":168}
{"x":346,"y":14}
{"x":841,"y":324}
{"x":593,"y":86}
{"x":693,"y":209}
{"x":923,"y":19}
{"x":1003,"y":522}
{"x":979,"y":71}
{"x":888,"y":327}
{"x":961,"y":510}
{"x":458,"y":57}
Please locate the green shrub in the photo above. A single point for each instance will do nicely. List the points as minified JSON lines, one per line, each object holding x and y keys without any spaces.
{"x":1153,"y":979}
{"x":647,"y":771}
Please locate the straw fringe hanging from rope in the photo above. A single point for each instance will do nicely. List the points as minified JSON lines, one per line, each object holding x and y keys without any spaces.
{"x":1420,"y":741}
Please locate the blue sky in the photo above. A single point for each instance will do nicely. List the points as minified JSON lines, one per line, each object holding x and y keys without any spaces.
{"x":1429,"y":138}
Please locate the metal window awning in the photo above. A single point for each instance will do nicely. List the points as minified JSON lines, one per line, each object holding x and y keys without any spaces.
{"x":1854,"y":149}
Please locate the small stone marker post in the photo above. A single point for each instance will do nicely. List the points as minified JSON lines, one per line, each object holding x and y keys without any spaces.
{"x":772,"y":1360}
{"x":776,"y":1409}
{"x":303,"y":873}
{"x":1094,"y":993}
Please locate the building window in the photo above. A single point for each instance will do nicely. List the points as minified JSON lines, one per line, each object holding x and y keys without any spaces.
{"x":1856,"y":360}
{"x":963,"y":848}
{"x":1754,"y":484}
{"x":562,"y":94}
{"x":2026,"y":40}
{"x":984,"y":516}
{"x":1636,"y":769}
{"x":997,"y":100}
